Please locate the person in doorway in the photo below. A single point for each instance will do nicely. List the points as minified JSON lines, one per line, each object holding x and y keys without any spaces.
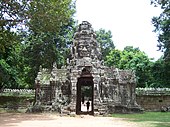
{"x":88,"y":105}
{"x":82,"y":99}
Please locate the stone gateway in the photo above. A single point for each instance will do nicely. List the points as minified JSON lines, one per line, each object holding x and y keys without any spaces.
{"x":85,"y":85}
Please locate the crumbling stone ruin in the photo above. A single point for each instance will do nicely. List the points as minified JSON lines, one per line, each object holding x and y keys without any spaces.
{"x":86,"y":79}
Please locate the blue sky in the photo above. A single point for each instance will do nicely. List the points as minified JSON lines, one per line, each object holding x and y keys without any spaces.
{"x":128,"y":20}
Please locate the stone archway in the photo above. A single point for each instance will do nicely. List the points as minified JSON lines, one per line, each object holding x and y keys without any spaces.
{"x":85,"y":92}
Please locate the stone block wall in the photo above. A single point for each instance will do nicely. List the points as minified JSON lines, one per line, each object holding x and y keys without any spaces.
{"x":153,"y":102}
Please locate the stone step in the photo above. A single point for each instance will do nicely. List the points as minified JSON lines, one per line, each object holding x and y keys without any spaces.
{"x":102,"y":109}
{"x":65,"y":112}
{"x":96,"y":113}
{"x":47,"y":108}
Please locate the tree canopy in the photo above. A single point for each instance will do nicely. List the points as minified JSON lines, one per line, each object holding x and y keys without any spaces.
{"x":32,"y":31}
{"x":162,"y":28}
{"x":133,"y":59}
{"x":36,"y":33}
{"x":104,"y":38}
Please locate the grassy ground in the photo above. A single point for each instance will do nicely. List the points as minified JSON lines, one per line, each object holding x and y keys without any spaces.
{"x":152,"y":119}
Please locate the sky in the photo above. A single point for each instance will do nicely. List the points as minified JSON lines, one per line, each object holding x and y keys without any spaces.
{"x":128,"y":20}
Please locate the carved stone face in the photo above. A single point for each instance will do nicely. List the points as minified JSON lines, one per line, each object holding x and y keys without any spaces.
{"x":84,"y":25}
{"x":83,"y":49}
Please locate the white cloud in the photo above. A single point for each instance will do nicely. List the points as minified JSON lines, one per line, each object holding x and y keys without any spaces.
{"x":129,"y":21}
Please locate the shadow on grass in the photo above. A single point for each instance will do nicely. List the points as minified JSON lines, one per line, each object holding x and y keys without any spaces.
{"x":158,"y":119}
{"x":162,"y":125}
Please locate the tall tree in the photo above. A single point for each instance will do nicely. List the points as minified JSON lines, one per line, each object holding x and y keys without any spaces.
{"x":106,"y":44}
{"x":50,"y":27}
{"x":34,"y":31}
{"x":12,"y":13}
{"x":10,"y":62}
{"x":49,"y":15}
{"x":47,"y":48}
{"x":162,"y":28}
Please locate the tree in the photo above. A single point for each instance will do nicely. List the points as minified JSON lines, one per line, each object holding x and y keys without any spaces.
{"x":41,"y":13}
{"x":48,"y":41}
{"x":159,"y":72}
{"x":162,"y":28}
{"x":44,"y":40}
{"x":104,"y":39}
{"x":12,"y":14}
{"x":113,"y":58}
{"x":10,"y":66}
{"x":133,"y":59}
{"x":49,"y":15}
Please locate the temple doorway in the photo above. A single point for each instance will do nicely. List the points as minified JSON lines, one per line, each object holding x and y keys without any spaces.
{"x":85,"y":88}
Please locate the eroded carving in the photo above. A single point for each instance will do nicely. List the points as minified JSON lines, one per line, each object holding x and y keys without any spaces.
{"x":114,"y":89}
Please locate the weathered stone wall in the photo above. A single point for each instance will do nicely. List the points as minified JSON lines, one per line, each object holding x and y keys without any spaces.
{"x":153,"y":102}
{"x":14,"y":99}
{"x":149,"y":100}
{"x":112,"y":88}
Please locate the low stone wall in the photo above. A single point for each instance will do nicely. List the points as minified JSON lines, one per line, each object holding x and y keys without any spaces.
{"x":153,"y":99}
{"x":153,"y":102}
{"x":15,"y":99}
{"x":150,"y":99}
{"x":15,"y":102}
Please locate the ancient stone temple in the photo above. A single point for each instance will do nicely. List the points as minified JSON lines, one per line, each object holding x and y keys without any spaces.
{"x":85,"y":85}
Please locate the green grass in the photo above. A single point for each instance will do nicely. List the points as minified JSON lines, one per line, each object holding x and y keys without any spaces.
{"x":156,"y":119}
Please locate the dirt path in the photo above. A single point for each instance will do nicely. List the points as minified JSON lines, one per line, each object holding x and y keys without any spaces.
{"x":52,"y":120}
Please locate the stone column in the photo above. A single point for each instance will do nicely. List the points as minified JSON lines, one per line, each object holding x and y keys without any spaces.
{"x":96,"y":81}
{"x":73,"y":75}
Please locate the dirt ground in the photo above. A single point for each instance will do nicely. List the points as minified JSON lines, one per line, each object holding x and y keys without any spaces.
{"x":53,"y":120}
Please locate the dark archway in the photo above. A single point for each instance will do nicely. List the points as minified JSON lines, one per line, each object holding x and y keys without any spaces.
{"x":85,"y":88}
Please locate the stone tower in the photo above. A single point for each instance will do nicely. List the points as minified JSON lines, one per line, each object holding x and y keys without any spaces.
{"x":85,"y":78}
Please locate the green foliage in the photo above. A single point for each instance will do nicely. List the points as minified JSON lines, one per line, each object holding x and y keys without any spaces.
{"x":134,"y":59}
{"x":49,"y":27}
{"x":162,"y":28}
{"x":149,"y":73}
{"x":49,"y":15}
{"x":159,"y":73}
{"x":7,"y":39}
{"x":37,"y":15}
{"x":87,"y":91}
{"x":12,"y":13}
{"x":10,"y":61}
{"x":48,"y":48}
{"x":104,"y":38}
{"x":48,"y":35}
{"x":114,"y":57}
